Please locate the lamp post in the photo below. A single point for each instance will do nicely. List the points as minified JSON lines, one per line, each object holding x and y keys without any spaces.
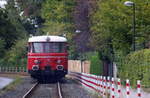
{"x":129,"y":3}
{"x":77,"y":31}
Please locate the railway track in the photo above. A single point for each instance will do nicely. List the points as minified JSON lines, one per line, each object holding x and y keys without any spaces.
{"x":59,"y":90}
{"x":29,"y":93}
{"x":34,"y":90}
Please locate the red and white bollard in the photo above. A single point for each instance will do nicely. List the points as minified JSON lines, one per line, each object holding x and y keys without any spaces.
{"x":127,"y":88}
{"x":104,"y":85}
{"x":101,"y":84}
{"x":119,"y":88}
{"x":138,"y":88}
{"x":97,"y":84}
{"x":108,"y":84}
{"x":112,"y":88}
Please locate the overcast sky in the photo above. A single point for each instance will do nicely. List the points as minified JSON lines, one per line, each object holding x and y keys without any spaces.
{"x":3,"y":3}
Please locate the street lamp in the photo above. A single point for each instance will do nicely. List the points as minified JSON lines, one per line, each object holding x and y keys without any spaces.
{"x":129,"y":3}
{"x":77,"y":31}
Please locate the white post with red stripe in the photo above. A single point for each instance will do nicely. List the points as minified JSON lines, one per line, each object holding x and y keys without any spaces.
{"x":108,"y":84}
{"x":119,"y":88}
{"x":112,"y":88}
{"x":138,"y":88}
{"x":99,"y":88}
{"x":127,"y":88}
{"x":104,"y":85}
{"x":81,"y":78}
{"x":101,"y":85}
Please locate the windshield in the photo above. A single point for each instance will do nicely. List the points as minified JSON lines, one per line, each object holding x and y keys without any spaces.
{"x":48,"y":47}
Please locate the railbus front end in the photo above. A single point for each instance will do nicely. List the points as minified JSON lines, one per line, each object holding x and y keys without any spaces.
{"x":47,"y":57}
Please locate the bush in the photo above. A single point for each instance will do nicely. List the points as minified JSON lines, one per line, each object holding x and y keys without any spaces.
{"x":96,"y":64}
{"x":2,"y":47}
{"x":17,"y":55}
{"x":136,"y":66}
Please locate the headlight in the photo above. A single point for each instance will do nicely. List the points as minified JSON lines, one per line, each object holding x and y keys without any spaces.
{"x":36,"y":61}
{"x":60,"y":67}
{"x":35,"y":67}
{"x":58,"y":61}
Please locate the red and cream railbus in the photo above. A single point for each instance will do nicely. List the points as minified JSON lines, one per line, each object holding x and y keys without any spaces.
{"x":47,"y":57}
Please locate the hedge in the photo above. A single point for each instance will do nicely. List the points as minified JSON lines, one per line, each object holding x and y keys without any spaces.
{"x":136,"y":66}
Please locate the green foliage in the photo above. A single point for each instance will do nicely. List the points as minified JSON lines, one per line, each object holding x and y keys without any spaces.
{"x":2,"y":47}
{"x":59,"y":20}
{"x":31,"y":7}
{"x":112,"y":35}
{"x":11,"y":31}
{"x":73,"y":54}
{"x":111,"y":25}
{"x":11,"y":28}
{"x":58,"y":16}
{"x":17,"y":29}
{"x":17,"y":55}
{"x":136,"y":67}
{"x":96,"y":64}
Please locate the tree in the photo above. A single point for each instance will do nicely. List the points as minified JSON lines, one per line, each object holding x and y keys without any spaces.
{"x":11,"y":27}
{"x":58,"y":16}
{"x":111,"y":25}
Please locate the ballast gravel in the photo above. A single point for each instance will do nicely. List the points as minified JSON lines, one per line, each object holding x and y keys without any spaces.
{"x":70,"y":89}
{"x":73,"y":89}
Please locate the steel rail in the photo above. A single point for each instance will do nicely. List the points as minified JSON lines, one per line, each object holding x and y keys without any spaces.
{"x":30,"y":91}
{"x":59,"y":90}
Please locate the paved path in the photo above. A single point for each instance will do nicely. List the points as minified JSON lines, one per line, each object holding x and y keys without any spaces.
{"x":5,"y":81}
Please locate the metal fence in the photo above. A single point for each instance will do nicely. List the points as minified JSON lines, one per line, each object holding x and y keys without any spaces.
{"x":13,"y":69}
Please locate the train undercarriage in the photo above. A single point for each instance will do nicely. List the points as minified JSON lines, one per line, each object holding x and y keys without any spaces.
{"x":47,"y":75}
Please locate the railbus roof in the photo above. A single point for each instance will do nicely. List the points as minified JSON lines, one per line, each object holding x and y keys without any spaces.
{"x":47,"y":39}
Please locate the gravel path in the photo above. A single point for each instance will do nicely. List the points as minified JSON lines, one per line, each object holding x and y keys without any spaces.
{"x":72,"y":89}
